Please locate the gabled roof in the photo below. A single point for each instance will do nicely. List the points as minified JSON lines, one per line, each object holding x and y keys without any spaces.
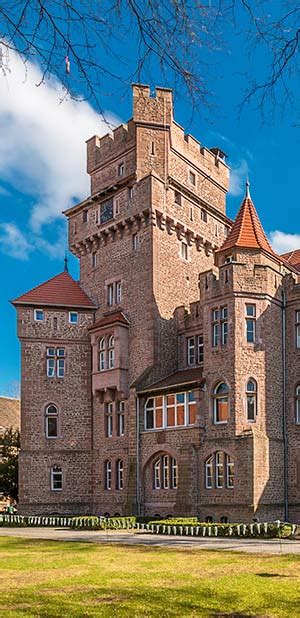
{"x":113,"y":318}
{"x":182,"y":378}
{"x":247,"y":231}
{"x":60,"y":291}
{"x":9,"y":413}
{"x":292,"y":258}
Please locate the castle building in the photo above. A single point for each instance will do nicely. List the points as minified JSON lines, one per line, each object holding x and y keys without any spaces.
{"x":167,"y":380}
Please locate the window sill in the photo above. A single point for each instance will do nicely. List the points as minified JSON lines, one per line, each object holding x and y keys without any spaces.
{"x":178,"y":427}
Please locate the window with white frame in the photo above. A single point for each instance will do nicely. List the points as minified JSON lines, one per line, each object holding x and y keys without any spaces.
{"x":195,"y":350}
{"x":51,"y":421}
{"x":135,"y":242}
{"x":38,"y":315}
{"x":172,"y":410}
{"x":107,"y":475}
{"x":297,"y":404}
{"x":298,"y":329}
{"x":219,"y":471}
{"x":251,"y":400}
{"x":55,"y":362}
{"x":215,"y":327}
{"x":73,"y":317}
{"x":121,"y":169}
{"x":101,"y":354}
{"x":114,"y":293}
{"x":121,"y":418}
{"x":165,"y":473}
{"x":219,"y":326}
{"x":184,"y":250}
{"x":224,"y":325}
{"x":111,"y":352}
{"x":250,"y":323}
{"x":56,"y":478}
{"x":109,"y":420}
{"x":119,"y":474}
{"x":221,"y":403}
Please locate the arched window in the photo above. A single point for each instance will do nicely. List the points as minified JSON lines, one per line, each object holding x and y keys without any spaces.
{"x":101,"y":347}
{"x":209,"y":519}
{"x":119,"y":474}
{"x":51,"y":421}
{"x":111,"y":352}
{"x":298,"y":404}
{"x":56,"y":478}
{"x":209,"y":473}
{"x":165,"y":473}
{"x":107,"y":475}
{"x":221,"y":405}
{"x":219,"y":471}
{"x":224,"y":519}
{"x":251,"y":398}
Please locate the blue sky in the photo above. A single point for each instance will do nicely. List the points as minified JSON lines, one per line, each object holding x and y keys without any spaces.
{"x":42,"y":170}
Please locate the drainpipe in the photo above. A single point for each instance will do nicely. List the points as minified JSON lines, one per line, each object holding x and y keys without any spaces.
{"x":138,"y":493}
{"x":284,"y":410}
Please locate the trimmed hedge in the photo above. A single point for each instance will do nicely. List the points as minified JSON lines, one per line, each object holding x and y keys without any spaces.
{"x":28,"y":520}
{"x":90,"y":522}
{"x":186,"y":527}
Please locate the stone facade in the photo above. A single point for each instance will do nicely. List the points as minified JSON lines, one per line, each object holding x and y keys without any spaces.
{"x":155,"y":412}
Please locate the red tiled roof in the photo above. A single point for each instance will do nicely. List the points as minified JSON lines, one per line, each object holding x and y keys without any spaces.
{"x":247,"y":231}
{"x":62,"y":290}
{"x":293,"y":258}
{"x":113,"y":318}
{"x":183,"y":377}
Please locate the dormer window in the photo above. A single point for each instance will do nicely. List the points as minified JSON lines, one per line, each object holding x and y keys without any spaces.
{"x":38,"y":315}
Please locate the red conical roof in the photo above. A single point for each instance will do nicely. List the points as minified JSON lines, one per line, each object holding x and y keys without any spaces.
{"x":62,"y":290}
{"x":247,"y":231}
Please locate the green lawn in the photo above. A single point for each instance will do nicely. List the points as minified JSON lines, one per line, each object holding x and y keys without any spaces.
{"x":49,"y":578}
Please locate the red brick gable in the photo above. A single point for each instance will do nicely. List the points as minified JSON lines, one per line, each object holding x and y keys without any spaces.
{"x":247,"y":231}
{"x":62,"y":291}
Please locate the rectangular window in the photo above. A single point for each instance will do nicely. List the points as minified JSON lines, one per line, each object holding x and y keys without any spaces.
{"x":74,"y":227}
{"x":55,"y":362}
{"x":107,"y":472}
{"x":109,"y":420}
{"x":135,"y":242}
{"x":200,"y":349}
{"x":215,"y":327}
{"x":73,"y":317}
{"x":38,"y":315}
{"x":174,"y":473}
{"x":219,"y":470}
{"x":191,"y":213}
{"x":209,"y":473}
{"x":177,"y":198}
{"x":51,"y":426}
{"x":110,"y":294}
{"x":184,"y":250}
{"x":118,"y":292}
{"x":203,"y":215}
{"x":130,"y":193}
{"x":298,"y":329}
{"x":173,"y":410}
{"x":192,"y":178}
{"x":85,"y":216}
{"x":116,"y":206}
{"x":121,"y":169}
{"x":56,"y":479}
{"x":121,"y":418}
{"x":224,"y":325}
{"x":157,"y":474}
{"x":94,"y":259}
{"x":191,"y":353}
{"x":191,"y":408}
{"x":250,"y":323}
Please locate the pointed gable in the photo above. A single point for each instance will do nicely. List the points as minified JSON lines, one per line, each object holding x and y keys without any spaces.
{"x":247,"y":231}
{"x":60,"y":291}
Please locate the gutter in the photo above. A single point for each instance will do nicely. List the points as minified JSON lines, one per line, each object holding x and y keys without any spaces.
{"x":284,"y":410}
{"x":138,"y":479}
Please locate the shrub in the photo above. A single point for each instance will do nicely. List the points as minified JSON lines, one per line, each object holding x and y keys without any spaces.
{"x":193,"y":527}
{"x":89,"y":521}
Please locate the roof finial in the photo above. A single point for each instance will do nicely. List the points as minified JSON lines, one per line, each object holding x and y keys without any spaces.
{"x":247,"y":188}
{"x":66,"y":263}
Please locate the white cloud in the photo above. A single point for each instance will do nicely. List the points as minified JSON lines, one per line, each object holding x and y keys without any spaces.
{"x":283,"y":243}
{"x":238,"y":176}
{"x":13,"y":242}
{"x":42,"y":146}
